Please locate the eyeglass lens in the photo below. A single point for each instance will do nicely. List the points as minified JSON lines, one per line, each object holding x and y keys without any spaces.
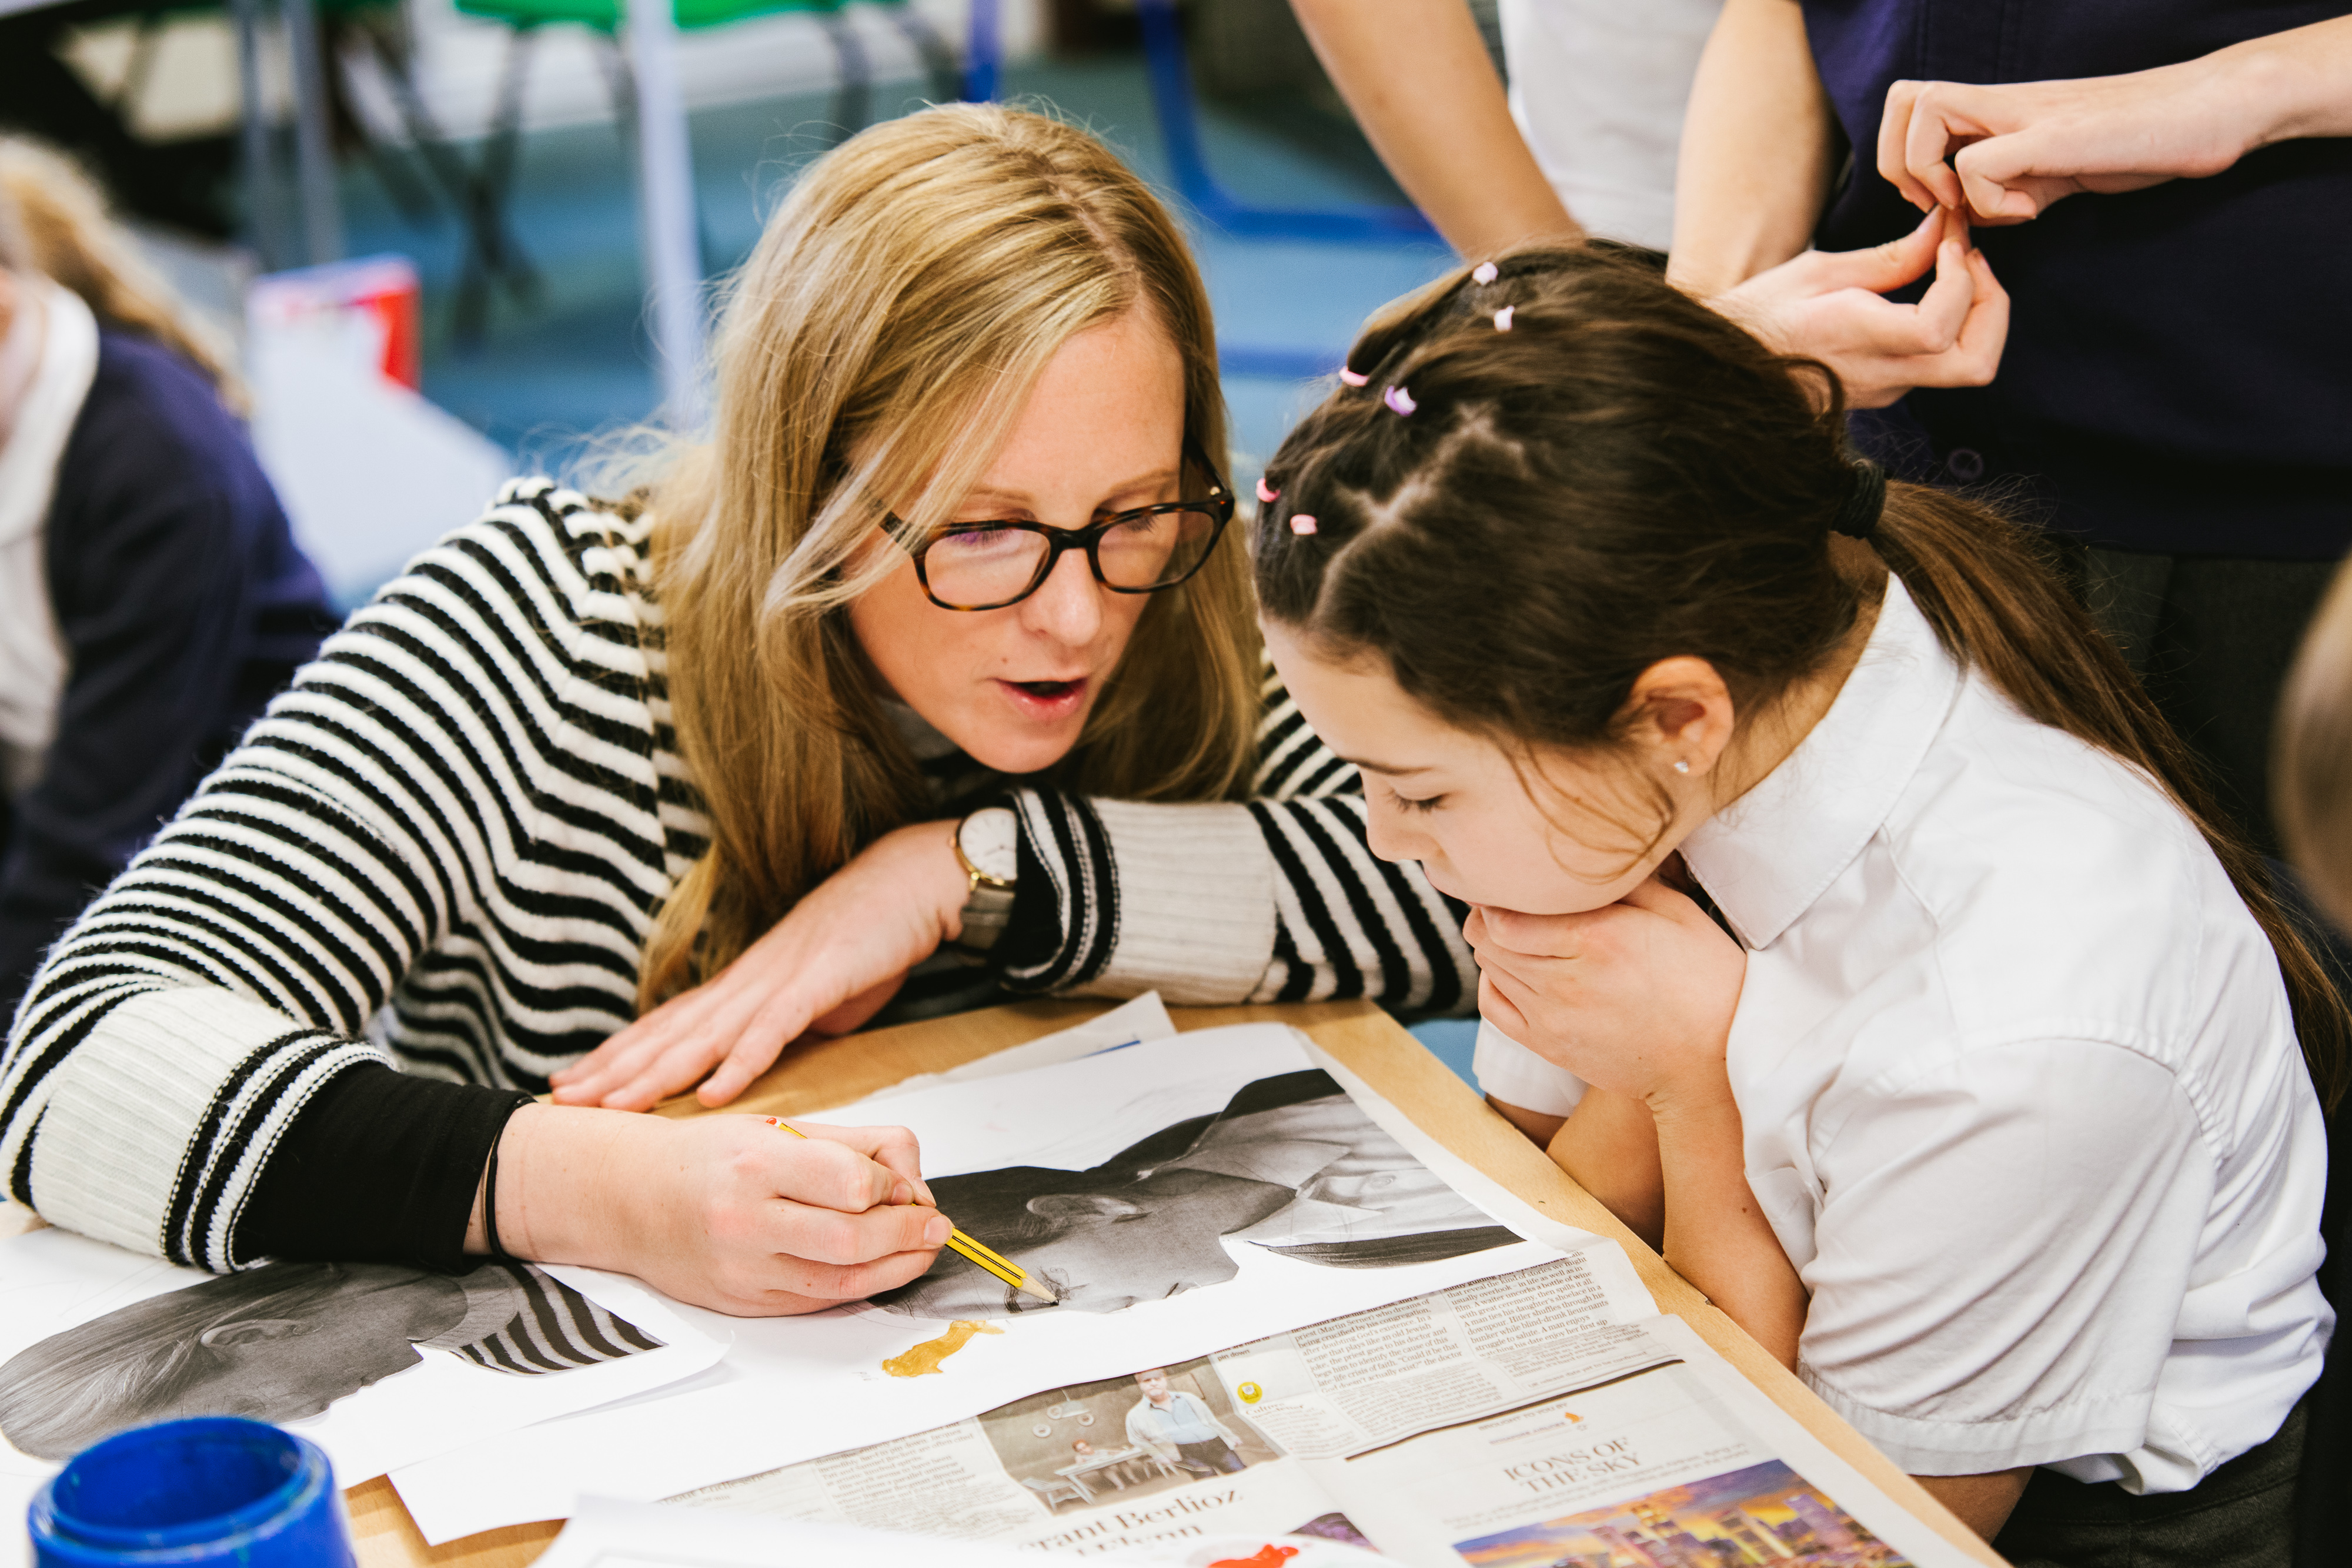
{"x":980,"y":567}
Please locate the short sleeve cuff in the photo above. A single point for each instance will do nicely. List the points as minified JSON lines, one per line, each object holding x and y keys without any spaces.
{"x":2116,"y":1424}
{"x":1512,"y":1073}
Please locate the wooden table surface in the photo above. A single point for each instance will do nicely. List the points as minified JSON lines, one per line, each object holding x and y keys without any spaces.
{"x":1360,"y":1035}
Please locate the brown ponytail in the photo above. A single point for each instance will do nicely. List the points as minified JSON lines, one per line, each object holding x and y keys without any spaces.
{"x":1680,"y":478}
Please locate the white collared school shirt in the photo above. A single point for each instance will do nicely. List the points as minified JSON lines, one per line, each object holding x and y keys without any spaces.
{"x":2020,"y":1087}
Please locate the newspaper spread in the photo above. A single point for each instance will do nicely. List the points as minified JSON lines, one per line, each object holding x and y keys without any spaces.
{"x":1519,"y":1421}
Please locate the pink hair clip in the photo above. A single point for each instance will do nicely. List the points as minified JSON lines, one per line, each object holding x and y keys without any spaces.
{"x":1352,"y":378}
{"x":1503,"y":318}
{"x":1484,"y":272}
{"x":1301,"y":524}
{"x":1266,"y":493}
{"x":1398,"y":399}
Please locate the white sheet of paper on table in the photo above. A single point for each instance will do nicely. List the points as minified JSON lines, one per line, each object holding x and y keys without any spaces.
{"x":1132,"y":1022}
{"x":792,"y":1389}
{"x":53,"y":1279}
{"x":609,"y":1533}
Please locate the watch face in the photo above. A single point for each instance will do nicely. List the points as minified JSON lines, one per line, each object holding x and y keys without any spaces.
{"x":992,"y":841}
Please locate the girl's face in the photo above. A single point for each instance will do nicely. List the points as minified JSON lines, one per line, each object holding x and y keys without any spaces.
{"x":1454,"y":800}
{"x":1103,"y":432}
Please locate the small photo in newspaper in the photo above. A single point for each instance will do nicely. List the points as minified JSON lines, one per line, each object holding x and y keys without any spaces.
{"x":1124,"y":1438}
{"x":1759,"y":1514}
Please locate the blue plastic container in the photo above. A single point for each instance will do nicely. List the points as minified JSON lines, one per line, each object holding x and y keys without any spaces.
{"x":180,"y":1494}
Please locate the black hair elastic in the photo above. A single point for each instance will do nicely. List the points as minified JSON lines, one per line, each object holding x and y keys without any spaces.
{"x":490,"y":1188}
{"x":1858,"y":519}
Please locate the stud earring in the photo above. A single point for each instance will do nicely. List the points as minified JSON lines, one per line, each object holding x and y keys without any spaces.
{"x":1681,"y":767}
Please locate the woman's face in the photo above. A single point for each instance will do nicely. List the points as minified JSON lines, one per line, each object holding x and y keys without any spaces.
{"x":1103,"y":432}
{"x":1455,"y":801}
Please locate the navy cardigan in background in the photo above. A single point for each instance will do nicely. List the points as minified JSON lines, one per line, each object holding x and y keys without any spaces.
{"x":2175,"y":379}
{"x":184,"y":605}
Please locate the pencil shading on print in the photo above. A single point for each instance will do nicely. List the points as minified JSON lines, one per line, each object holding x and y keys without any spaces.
{"x":287,"y":1340}
{"x":1291,"y":1164}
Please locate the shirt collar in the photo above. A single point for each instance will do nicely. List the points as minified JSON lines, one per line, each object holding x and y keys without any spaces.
{"x":1766,"y":857}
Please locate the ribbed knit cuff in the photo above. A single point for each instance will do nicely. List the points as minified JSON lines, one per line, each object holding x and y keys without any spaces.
{"x":1120,"y":898}
{"x":157,"y":1127}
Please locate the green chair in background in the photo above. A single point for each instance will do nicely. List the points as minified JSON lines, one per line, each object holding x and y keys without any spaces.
{"x":492,"y":254}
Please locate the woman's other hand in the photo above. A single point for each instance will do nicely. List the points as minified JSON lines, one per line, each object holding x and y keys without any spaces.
{"x":828,"y":966}
{"x":728,"y":1212}
{"x":1634,"y":998}
{"x":1827,"y":305}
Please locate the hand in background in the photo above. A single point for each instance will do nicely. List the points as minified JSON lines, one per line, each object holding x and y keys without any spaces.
{"x":1827,"y":305}
{"x":829,"y":965}
{"x":2005,"y":154}
{"x":727,"y":1212}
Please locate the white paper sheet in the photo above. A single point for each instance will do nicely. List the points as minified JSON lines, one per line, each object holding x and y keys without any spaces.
{"x":1132,"y":1022}
{"x":53,"y":1279}
{"x":610,"y":1533}
{"x":790,"y":1389}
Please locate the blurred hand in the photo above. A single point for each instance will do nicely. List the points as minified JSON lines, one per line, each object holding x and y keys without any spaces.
{"x":1634,"y":998}
{"x":1827,"y":305}
{"x":727,"y":1212}
{"x":828,"y":966}
{"x":2003,"y":154}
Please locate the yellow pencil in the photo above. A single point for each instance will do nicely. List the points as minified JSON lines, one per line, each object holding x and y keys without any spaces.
{"x":1004,"y":1268}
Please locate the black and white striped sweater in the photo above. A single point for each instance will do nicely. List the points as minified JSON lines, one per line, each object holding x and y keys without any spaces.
{"x":443,"y":849}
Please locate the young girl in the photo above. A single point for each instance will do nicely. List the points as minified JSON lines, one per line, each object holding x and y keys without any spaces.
{"x":1863,"y":932}
{"x":841,"y":686}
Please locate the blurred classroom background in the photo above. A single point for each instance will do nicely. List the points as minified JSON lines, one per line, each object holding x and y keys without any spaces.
{"x":484,"y":171}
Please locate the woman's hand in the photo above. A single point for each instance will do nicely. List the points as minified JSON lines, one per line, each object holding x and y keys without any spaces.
{"x":727,"y":1212}
{"x":1636,"y":997}
{"x":829,"y":965}
{"x":2005,"y":154}
{"x":1827,"y":305}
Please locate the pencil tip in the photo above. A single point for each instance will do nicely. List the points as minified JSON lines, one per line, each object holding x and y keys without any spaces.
{"x":1041,"y":1291}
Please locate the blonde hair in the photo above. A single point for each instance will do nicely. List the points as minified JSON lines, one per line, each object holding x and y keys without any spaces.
{"x":2311,"y":774}
{"x":880,"y":341}
{"x":54,"y":220}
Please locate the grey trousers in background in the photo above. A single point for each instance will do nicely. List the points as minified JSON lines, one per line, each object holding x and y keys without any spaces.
{"x":2241,"y":1516}
{"x":2211,"y":637}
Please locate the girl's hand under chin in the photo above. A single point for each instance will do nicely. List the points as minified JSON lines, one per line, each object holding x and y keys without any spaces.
{"x":1635,"y":996}
{"x":832,"y":963}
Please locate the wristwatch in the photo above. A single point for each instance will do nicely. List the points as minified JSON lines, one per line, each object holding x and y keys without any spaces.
{"x":988,"y":846}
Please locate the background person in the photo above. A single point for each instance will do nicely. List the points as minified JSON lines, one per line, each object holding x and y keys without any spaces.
{"x":152,"y":597}
{"x":2158,"y":187}
{"x":2314,"y":808}
{"x":1869,"y":937}
{"x":716,"y":761}
{"x":1584,"y":143}
{"x":1181,"y":1429}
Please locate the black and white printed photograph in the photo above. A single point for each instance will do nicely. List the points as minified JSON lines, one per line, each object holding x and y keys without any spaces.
{"x":1124,"y":1438}
{"x":1290,"y":1165}
{"x":285,"y":1341}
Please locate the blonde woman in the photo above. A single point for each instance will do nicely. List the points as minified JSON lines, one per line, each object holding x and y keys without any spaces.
{"x":940,"y":642}
{"x":152,"y":597}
